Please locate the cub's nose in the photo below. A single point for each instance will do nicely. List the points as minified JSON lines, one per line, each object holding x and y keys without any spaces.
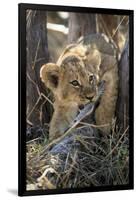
{"x":81,"y":106}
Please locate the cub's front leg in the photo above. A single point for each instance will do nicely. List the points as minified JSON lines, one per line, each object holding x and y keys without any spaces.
{"x":62,"y":117}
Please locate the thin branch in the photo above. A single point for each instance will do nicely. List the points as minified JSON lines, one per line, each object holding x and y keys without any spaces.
{"x":39,"y":98}
{"x":94,"y":125}
{"x":47,"y":99}
{"x":30,"y":141}
{"x":33,"y":66}
{"x":38,"y":90}
{"x":34,"y":107}
{"x":117,"y":143}
{"x":118,"y":26}
{"x":107,"y":31}
{"x":28,"y":122}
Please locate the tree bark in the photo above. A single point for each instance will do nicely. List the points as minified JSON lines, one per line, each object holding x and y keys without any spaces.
{"x":81,"y":25}
{"x":122,"y":110}
{"x":37,"y":54}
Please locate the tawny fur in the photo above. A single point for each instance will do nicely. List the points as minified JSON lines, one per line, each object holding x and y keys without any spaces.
{"x":91,"y":55}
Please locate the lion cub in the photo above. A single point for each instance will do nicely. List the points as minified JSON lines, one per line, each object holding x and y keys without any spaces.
{"x":74,"y":81}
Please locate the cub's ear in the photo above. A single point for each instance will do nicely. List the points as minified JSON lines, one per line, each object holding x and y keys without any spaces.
{"x":49,"y":74}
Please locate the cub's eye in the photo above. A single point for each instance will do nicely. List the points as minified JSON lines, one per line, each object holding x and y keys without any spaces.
{"x":75,"y":83}
{"x":91,"y":78}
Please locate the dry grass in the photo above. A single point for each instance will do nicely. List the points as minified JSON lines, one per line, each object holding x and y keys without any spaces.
{"x":99,"y":161}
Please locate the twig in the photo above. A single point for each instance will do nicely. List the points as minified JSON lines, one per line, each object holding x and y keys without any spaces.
{"x":107,"y":31}
{"x":47,"y":99}
{"x":118,"y":26}
{"x":32,"y":140}
{"x":33,"y":66}
{"x":28,"y":18}
{"x":30,"y":123}
{"x":94,"y":125}
{"x":34,"y":107}
{"x":117,"y":143}
{"x":34,"y":84}
{"x":39,"y":98}
{"x":41,"y":113}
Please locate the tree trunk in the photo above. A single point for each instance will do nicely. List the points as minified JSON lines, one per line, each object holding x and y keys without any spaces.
{"x":81,"y":25}
{"x":122,"y":110}
{"x":37,"y":54}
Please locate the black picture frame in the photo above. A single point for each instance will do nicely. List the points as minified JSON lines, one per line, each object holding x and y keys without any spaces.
{"x":22,"y":97}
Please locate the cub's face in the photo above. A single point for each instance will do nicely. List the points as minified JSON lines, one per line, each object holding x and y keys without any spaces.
{"x":71,"y":81}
